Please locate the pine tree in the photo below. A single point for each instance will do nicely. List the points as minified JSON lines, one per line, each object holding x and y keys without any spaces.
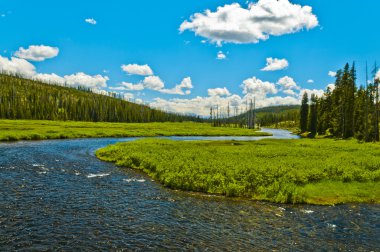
{"x":304,"y":112}
{"x":312,"y":122}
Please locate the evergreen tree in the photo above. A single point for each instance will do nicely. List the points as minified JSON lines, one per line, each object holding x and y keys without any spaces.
{"x":304,"y":112}
{"x":28,"y":99}
{"x":312,"y":122}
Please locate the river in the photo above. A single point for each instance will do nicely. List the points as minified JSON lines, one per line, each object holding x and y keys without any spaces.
{"x":56,"y":195}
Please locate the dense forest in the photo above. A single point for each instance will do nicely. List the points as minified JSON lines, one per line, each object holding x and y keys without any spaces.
{"x":28,"y":99}
{"x":346,"y":111}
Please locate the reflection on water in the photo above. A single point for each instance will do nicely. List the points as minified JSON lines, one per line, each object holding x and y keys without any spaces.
{"x":57,"y":195}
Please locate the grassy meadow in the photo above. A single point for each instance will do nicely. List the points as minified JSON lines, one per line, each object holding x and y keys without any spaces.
{"x":14,"y":130}
{"x":319,"y":171}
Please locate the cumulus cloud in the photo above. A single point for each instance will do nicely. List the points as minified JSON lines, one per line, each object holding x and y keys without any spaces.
{"x":287,"y":82}
{"x":37,"y":52}
{"x":153,"y":83}
{"x":218,"y":92}
{"x":233,"y":23}
{"x":131,"y":86}
{"x":198,"y":105}
{"x":275,"y":64}
{"x":82,"y":79}
{"x":50,"y":78}
{"x":149,"y":82}
{"x":221,"y":56}
{"x":74,"y":80}
{"x":289,"y":92}
{"x":201,"y":105}
{"x":17,"y":66}
{"x":181,"y":89}
{"x":332,"y":74}
{"x":26,"y":69}
{"x":258,"y":87}
{"x":331,"y":87}
{"x":128,"y":96}
{"x":317,"y":92}
{"x":136,"y":69}
{"x":90,"y":21}
{"x":310,"y":81}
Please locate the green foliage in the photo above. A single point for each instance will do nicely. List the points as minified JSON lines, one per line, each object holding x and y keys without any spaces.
{"x":13,"y":130}
{"x":346,"y":111}
{"x":313,"y":115}
{"x":27,"y":99}
{"x":304,"y":112}
{"x":286,"y":171}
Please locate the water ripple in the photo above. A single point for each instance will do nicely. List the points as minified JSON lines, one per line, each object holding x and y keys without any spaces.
{"x":81,"y":203}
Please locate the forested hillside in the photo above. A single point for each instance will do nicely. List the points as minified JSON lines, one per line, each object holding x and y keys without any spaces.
{"x":273,"y":115}
{"x":28,"y":99}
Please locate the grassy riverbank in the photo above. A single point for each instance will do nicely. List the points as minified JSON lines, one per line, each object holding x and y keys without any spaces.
{"x":13,"y":130}
{"x":288,"y":171}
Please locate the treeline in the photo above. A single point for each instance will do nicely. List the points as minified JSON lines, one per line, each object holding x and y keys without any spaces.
{"x":29,"y":99}
{"x":231,"y":117}
{"x":346,"y":111}
{"x":272,"y":116}
{"x":250,"y":117}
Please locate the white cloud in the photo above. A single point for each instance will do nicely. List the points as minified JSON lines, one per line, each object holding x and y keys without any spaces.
{"x":198,"y":105}
{"x":235,"y":24}
{"x":258,"y":87}
{"x":287,"y":82}
{"x":101,"y":91}
{"x":201,"y":105}
{"x":131,"y":86}
{"x":275,"y":64}
{"x":128,"y":96}
{"x":90,"y":21}
{"x":289,"y":92}
{"x":310,"y":81}
{"x":153,"y":83}
{"x":139,"y":101}
{"x":50,"y":78}
{"x":317,"y":92}
{"x":74,"y":80}
{"x":332,"y":74}
{"x":17,"y":66}
{"x":181,"y":89}
{"x":37,"y":52}
{"x":28,"y":70}
{"x":218,"y":92}
{"x":136,"y":69}
{"x":331,"y":86}
{"x":221,"y":56}
{"x":84,"y":80}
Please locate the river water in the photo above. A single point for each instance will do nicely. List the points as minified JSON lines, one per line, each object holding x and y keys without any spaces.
{"x":56,"y":195}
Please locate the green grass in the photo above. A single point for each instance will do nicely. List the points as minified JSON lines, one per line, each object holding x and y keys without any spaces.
{"x":13,"y":130}
{"x":322,"y":171}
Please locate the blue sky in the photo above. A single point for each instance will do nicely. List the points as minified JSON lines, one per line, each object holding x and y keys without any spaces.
{"x":147,"y":33}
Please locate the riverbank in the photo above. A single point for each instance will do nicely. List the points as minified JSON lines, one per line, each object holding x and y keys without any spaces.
{"x":14,"y":130}
{"x":322,"y":172}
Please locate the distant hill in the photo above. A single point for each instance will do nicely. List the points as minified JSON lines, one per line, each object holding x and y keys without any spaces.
{"x":272,"y":115}
{"x":29,"y":99}
{"x":278,"y":109}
